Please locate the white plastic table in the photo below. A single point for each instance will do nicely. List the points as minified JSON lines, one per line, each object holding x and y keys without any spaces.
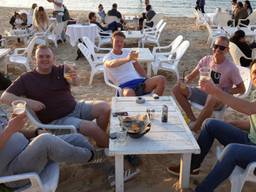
{"x":77,"y":31}
{"x":173,"y":137}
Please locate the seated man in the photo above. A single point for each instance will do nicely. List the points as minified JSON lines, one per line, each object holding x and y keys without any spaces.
{"x":115,"y":12}
{"x":19,"y":154}
{"x":48,"y":93}
{"x":223,"y":72}
{"x":123,"y":69}
{"x":112,"y":26}
{"x":240,"y":146}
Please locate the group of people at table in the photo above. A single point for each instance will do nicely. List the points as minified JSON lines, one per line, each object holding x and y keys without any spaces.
{"x":47,"y":92}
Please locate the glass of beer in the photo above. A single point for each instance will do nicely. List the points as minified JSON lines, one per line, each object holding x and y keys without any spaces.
{"x":205,"y":73}
{"x":19,"y":107}
{"x":69,"y":67}
{"x":135,"y":55}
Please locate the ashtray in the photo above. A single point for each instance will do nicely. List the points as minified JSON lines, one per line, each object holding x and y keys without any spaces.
{"x":136,"y":126}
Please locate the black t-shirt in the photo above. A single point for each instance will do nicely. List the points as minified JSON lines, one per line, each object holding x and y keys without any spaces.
{"x":52,"y":90}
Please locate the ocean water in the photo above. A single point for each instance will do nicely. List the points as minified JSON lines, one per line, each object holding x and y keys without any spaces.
{"x":169,"y":7}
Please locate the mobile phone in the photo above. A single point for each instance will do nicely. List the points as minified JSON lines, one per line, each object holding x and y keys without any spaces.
{"x":119,"y":114}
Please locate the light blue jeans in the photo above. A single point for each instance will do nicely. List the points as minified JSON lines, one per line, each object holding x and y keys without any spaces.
{"x":239,"y":151}
{"x":70,"y":148}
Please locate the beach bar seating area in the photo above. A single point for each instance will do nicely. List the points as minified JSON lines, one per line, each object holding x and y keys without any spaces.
{"x":123,"y":98}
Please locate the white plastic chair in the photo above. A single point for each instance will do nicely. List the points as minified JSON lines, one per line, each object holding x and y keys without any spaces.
{"x":158,"y":51}
{"x":22,"y":56}
{"x":96,"y":65}
{"x":171,"y":62}
{"x":239,"y":175}
{"x":251,"y":18}
{"x":245,"y":74}
{"x":153,"y":38}
{"x":236,"y":53}
{"x":55,"y":35}
{"x":47,"y":181}
{"x":37,"y":123}
{"x":201,"y":20}
{"x":103,"y":39}
{"x":154,"y":28}
{"x":111,"y":84}
{"x":155,"y":20}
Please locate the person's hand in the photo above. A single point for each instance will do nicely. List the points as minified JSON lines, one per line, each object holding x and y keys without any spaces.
{"x":207,"y":86}
{"x":17,"y":122}
{"x":35,"y":105}
{"x":133,"y":56}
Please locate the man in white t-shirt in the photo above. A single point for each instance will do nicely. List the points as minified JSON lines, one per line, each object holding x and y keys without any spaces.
{"x":123,"y":70}
{"x":223,"y":72}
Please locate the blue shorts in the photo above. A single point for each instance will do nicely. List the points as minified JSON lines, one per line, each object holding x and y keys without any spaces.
{"x":137,"y":85}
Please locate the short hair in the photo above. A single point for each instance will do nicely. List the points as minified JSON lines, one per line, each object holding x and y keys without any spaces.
{"x":43,"y":47}
{"x":148,"y":7}
{"x":223,"y":38}
{"x":114,"y":6}
{"x":91,"y":15}
{"x":234,"y":1}
{"x":34,"y":5}
{"x":118,"y":33}
{"x":100,"y":5}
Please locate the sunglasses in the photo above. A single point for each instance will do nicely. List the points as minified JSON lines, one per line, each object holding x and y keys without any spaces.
{"x":221,"y":47}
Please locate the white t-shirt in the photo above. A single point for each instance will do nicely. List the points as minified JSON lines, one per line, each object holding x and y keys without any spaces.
{"x":58,"y":8}
{"x":121,"y":74}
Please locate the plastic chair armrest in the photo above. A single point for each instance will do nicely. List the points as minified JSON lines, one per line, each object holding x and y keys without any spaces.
{"x":18,"y":50}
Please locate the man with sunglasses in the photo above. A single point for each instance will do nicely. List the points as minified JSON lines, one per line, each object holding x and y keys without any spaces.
{"x":223,"y":73}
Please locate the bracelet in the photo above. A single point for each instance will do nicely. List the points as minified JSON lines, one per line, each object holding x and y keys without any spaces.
{"x":37,"y":131}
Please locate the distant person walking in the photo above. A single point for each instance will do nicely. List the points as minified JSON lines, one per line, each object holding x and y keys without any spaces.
{"x":200,"y":5}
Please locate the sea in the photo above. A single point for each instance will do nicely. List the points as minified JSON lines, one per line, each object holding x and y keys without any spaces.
{"x":177,"y":8}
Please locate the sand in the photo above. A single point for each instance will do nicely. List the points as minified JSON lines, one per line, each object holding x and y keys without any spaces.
{"x":153,"y":176}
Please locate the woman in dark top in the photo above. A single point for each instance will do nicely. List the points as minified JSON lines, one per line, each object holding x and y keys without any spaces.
{"x":248,"y":7}
{"x":239,"y":39}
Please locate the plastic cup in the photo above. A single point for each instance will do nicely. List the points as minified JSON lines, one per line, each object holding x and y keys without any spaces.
{"x":121,"y":136}
{"x":69,"y":66}
{"x":19,"y":107}
{"x":205,"y":73}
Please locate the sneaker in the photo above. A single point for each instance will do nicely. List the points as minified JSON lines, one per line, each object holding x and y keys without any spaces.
{"x":99,"y":156}
{"x":175,"y":170}
{"x":128,"y":175}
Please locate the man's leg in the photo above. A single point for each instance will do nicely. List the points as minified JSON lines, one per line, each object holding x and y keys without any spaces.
{"x":100,"y":111}
{"x":128,"y":92}
{"x":47,"y":147}
{"x":181,"y":95}
{"x":156,"y":84}
{"x":215,"y":129}
{"x":207,"y":111}
{"x":233,"y":155}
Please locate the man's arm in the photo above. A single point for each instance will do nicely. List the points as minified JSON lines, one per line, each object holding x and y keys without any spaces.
{"x":13,"y":126}
{"x":118,"y":62}
{"x":8,"y":98}
{"x":238,"y":104}
{"x":140,"y":69}
{"x":238,"y":89}
{"x":192,"y":75}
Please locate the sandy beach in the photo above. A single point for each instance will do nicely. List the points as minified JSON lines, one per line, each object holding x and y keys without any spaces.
{"x":153,"y":176}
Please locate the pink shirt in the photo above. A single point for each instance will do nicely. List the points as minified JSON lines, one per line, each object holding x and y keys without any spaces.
{"x":230,"y":74}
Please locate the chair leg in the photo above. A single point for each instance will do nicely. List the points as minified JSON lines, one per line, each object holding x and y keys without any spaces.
{"x":91,"y":78}
{"x":236,"y":184}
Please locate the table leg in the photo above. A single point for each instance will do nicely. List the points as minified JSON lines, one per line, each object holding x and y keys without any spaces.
{"x":185,"y":162}
{"x":148,"y":69}
{"x":119,"y":173}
